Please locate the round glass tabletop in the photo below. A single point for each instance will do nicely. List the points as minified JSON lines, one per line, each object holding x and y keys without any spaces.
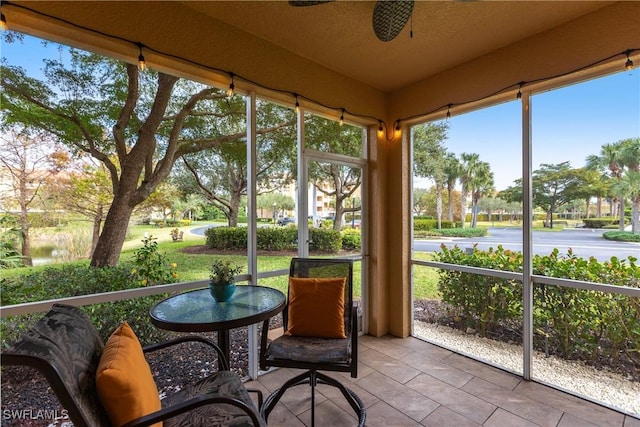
{"x":197,"y":311}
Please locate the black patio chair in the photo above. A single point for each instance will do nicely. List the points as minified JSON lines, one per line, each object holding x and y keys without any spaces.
{"x":315,"y":354}
{"x":66,"y":348}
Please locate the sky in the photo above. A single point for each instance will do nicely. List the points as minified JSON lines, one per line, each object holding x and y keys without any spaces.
{"x":568,"y":123}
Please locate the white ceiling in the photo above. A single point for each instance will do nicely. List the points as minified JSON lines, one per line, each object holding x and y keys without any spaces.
{"x":339,"y":35}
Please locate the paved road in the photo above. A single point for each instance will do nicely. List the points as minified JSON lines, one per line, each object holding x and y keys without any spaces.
{"x":584,"y":242}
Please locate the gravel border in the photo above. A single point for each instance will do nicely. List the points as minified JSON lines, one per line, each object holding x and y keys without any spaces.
{"x":611,"y":389}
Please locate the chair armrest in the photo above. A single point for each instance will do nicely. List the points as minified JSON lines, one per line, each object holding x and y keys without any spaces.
{"x":189,"y":338}
{"x":188,"y":405}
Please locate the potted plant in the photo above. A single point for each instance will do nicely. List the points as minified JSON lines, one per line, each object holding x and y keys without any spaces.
{"x":221,"y":281}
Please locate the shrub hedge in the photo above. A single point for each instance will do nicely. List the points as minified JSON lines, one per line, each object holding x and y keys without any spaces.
{"x":74,"y":280}
{"x":600,"y":222}
{"x":576,"y":323}
{"x":281,"y":238}
{"x":621,"y":236}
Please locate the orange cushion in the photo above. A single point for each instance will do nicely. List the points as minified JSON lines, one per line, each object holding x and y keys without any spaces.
{"x":316,"y":307}
{"x":125,"y":384}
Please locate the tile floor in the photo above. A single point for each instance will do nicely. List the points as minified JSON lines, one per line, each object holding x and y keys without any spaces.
{"x":408,"y":382}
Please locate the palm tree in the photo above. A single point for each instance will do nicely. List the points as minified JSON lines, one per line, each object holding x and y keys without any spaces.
{"x":481,"y":184}
{"x":631,"y":159}
{"x":629,"y":187}
{"x":468,"y":166}
{"x":452,"y":173}
{"x":611,"y":160}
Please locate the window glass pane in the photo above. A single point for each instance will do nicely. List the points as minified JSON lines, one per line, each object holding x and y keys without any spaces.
{"x":584,"y":342}
{"x":276,"y":188}
{"x":329,"y":136}
{"x":586,"y":149}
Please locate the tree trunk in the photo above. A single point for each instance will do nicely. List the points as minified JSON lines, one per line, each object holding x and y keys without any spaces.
{"x":95,"y":232}
{"x":439,"y":205}
{"x":107,"y":251}
{"x":598,"y":208}
{"x":234,"y":208}
{"x":463,"y":208}
{"x":621,"y":213}
{"x":450,"y":203}
{"x":26,"y":240}
{"x":635,"y":216}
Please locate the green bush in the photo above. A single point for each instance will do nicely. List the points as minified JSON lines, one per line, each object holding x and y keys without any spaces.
{"x":351,"y":239}
{"x":74,"y":280}
{"x":273,"y":239}
{"x":420,"y":224}
{"x":462,"y":232}
{"x":575,"y":322}
{"x":277,"y":239}
{"x":322,"y":240}
{"x":621,"y":236}
{"x":600,"y":222}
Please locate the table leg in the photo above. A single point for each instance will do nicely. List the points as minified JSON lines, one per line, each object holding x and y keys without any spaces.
{"x":224,"y":344}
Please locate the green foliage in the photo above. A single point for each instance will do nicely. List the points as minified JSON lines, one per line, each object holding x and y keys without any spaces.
{"x":226,"y":238}
{"x":462,"y":232}
{"x":273,"y":239}
{"x":223,"y":271}
{"x":622,"y":236}
{"x":10,"y":256}
{"x":150,"y":266}
{"x":599,"y":222}
{"x":321,"y":240}
{"x":420,"y":224}
{"x":576,"y":322}
{"x":74,"y":280}
{"x":351,"y":239}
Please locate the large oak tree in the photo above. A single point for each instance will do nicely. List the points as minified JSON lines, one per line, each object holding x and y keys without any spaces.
{"x":137,"y":124}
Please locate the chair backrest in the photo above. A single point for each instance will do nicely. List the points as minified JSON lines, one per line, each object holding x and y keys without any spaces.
{"x":66,"y":347}
{"x":327,"y":268}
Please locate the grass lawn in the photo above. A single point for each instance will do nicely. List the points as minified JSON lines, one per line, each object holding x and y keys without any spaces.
{"x":192,"y":267}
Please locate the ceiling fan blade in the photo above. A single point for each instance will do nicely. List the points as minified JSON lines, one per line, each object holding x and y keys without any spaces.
{"x":299,"y":3}
{"x":390,"y":17}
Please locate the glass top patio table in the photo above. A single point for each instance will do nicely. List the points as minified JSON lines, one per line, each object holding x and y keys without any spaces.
{"x":197,"y":311}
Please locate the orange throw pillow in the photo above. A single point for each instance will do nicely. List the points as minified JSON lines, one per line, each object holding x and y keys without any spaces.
{"x":125,"y":384}
{"x":316,"y":307}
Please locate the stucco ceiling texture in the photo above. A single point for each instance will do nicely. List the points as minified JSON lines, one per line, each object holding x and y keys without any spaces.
{"x":339,"y":35}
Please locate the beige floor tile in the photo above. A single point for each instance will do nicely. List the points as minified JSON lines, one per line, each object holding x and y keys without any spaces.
{"x":481,"y":370}
{"x":387,"y":365}
{"x":383,"y":415}
{"x":329,"y":414}
{"x":402,"y":398}
{"x":502,"y":418}
{"x":569,"y":420}
{"x":630,"y":421}
{"x":445,"y":417}
{"x":423,"y":347}
{"x":443,"y":372}
{"x":514,"y":402}
{"x":453,"y":398}
{"x":573,"y":405}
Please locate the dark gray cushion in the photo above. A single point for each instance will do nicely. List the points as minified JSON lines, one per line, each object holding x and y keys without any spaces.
{"x":314,"y":350}
{"x":223,"y":384}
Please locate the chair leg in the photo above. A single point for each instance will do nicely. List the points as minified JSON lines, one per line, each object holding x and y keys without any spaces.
{"x":271,"y":400}
{"x":312,"y":378}
{"x":312,"y":383}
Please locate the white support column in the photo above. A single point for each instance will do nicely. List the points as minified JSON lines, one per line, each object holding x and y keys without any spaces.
{"x":252,"y":230}
{"x":303,"y":191}
{"x":527,"y":244}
